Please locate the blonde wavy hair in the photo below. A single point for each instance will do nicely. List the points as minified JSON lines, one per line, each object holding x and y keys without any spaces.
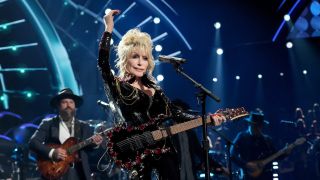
{"x":132,"y":40}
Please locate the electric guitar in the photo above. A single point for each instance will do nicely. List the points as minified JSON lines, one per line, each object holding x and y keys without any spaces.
{"x":256,"y":172}
{"x":130,"y":146}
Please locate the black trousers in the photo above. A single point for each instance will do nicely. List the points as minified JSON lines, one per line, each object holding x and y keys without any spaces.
{"x":167,"y":167}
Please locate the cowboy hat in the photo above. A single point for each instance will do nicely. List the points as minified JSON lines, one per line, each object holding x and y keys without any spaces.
{"x":65,"y":94}
{"x":256,"y":118}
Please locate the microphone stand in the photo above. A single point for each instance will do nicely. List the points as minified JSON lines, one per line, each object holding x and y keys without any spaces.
{"x":202,"y":96}
{"x":228,"y":145}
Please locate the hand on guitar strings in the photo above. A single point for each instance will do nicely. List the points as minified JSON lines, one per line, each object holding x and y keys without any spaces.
{"x":97,"y":139}
{"x":59,"y":154}
{"x":217,"y":119}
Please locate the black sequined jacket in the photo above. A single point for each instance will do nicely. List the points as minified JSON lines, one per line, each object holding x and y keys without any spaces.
{"x":136,"y":106}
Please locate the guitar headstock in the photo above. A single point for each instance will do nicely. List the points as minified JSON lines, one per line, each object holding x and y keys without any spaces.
{"x":233,"y":113}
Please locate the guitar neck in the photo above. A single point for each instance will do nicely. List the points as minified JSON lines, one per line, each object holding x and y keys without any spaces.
{"x":277,"y":154}
{"x":229,"y":114}
{"x":80,"y":145}
{"x":175,"y":129}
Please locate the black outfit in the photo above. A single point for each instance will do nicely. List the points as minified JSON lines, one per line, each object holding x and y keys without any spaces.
{"x":48,"y":132}
{"x":137,"y":108}
{"x":249,"y":148}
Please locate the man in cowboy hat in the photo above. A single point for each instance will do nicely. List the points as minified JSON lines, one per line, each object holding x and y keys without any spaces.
{"x":252,"y":145}
{"x":58,"y":129}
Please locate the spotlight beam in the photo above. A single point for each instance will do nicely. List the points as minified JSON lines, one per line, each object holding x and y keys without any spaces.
{"x":5,"y":99}
{"x":122,"y":15}
{"x":12,"y":23}
{"x":18,"y":92}
{"x":174,"y":53}
{"x":148,"y":19}
{"x":22,"y":69}
{"x":18,"y":46}
{"x":170,"y":7}
{"x":104,"y":7}
{"x":163,"y":35}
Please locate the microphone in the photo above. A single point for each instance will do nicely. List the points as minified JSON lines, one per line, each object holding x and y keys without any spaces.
{"x":106,"y":105}
{"x":172,"y":60}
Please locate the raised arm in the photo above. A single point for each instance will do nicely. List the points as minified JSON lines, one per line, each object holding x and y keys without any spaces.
{"x":104,"y":50}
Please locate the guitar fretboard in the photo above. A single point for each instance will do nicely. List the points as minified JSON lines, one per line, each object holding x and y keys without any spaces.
{"x":175,"y":129}
{"x":79,"y":146}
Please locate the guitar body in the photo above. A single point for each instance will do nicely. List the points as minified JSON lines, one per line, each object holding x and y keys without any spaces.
{"x":255,"y":172}
{"x":55,"y":169}
{"x":130,"y":146}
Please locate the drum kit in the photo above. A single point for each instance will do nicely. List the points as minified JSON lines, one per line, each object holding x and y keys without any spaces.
{"x":16,"y":162}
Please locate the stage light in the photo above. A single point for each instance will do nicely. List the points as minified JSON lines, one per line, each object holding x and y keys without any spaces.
{"x":160,"y":77}
{"x":289,"y":45}
{"x":286,"y":17}
{"x":237,"y":77}
{"x":203,"y":175}
{"x":2,"y":98}
{"x":217,"y":25}
{"x":65,"y":3}
{"x":260,"y":76}
{"x":275,"y":163}
{"x":275,"y":167}
{"x":14,"y":48}
{"x":156,"y":20}
{"x":96,"y":21}
{"x":219,"y":51}
{"x":275,"y":178}
{"x":215,"y":79}
{"x":315,"y":8}
{"x":22,"y":71}
{"x":82,"y":13}
{"x":29,"y":94}
{"x":305,"y":72}
{"x":275,"y":175}
{"x":4,"y":27}
{"x":281,"y":74}
{"x":158,"y":48}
